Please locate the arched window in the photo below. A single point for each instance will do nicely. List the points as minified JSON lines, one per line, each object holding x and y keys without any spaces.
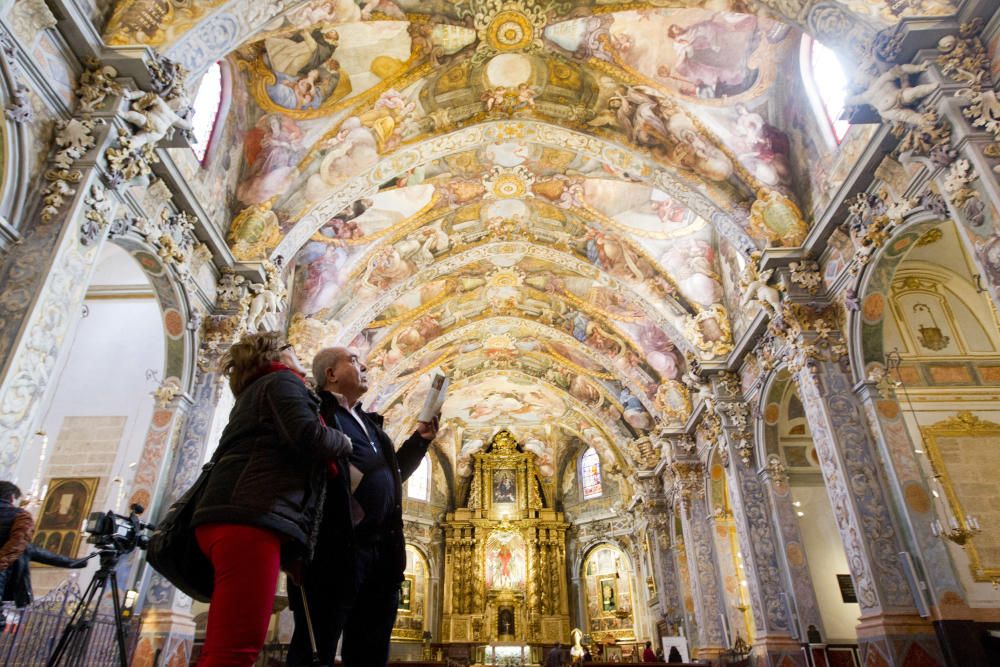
{"x":826,"y":85}
{"x":207,"y":104}
{"x":590,"y":474}
{"x":419,"y":484}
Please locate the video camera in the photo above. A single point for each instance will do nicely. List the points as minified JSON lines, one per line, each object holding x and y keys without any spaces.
{"x":123,"y":534}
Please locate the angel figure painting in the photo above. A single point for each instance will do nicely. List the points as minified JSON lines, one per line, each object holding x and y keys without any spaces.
{"x":505,"y":561}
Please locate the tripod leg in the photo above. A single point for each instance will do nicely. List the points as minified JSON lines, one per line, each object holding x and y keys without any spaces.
{"x":76,"y":619}
{"x":119,"y":628}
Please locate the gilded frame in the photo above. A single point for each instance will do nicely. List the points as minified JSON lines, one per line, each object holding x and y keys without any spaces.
{"x":963,"y":424}
{"x":60,"y":531}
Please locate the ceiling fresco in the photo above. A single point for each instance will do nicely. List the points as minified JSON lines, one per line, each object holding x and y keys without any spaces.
{"x":552,"y":202}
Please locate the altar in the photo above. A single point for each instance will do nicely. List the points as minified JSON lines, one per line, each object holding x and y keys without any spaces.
{"x":505,"y":558}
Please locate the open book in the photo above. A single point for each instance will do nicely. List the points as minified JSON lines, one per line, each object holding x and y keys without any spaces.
{"x":435,"y":397}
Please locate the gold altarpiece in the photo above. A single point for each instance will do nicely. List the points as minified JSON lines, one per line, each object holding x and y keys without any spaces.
{"x":505,"y":575}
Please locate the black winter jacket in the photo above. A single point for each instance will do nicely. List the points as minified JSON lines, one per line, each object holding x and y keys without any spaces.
{"x":334,"y":558}
{"x":18,"y":584}
{"x":271,"y":472}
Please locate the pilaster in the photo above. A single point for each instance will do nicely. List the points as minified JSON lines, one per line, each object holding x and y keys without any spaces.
{"x":758,"y":541}
{"x":791,"y":549}
{"x":891,"y":631}
{"x":705,"y":584}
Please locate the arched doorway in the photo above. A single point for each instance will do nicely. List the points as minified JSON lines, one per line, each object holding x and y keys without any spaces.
{"x":95,"y":423}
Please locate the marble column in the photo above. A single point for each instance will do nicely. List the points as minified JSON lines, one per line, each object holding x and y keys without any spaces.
{"x":911,"y":495}
{"x":891,"y":632}
{"x":705,"y":584}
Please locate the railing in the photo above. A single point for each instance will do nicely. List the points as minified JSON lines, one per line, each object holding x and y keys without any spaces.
{"x":30,"y":634}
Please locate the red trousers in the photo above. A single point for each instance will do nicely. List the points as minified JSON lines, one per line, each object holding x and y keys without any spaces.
{"x":246,"y":561}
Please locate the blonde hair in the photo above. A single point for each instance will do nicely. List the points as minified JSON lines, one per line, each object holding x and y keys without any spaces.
{"x":248,"y":358}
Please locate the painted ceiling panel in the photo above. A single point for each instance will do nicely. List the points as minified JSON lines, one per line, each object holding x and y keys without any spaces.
{"x":552,"y":202}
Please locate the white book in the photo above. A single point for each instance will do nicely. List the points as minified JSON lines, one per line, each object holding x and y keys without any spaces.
{"x":435,"y":397}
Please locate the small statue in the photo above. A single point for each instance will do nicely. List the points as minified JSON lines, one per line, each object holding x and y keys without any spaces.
{"x":890,"y":93}
{"x":576,"y":652}
{"x":757,"y":289}
{"x":264,"y":302}
{"x":154,"y":118}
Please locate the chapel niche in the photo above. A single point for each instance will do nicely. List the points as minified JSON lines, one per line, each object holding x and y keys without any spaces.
{"x":505,"y":556}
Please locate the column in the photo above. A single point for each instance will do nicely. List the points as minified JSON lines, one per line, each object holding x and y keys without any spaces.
{"x":758,"y":541}
{"x":44,"y":280}
{"x":791,"y":550}
{"x":705,"y":586}
{"x":173,"y":464}
{"x":891,"y":632}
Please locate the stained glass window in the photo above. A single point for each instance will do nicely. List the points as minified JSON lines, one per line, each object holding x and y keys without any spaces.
{"x":206,"y":109}
{"x":418,"y":486}
{"x":826,"y":87}
{"x":590,"y":474}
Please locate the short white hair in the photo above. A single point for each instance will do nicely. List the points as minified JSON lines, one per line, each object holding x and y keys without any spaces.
{"x":324,"y":360}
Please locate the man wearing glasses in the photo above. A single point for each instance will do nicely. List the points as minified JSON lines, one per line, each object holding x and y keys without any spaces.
{"x":352,"y":584}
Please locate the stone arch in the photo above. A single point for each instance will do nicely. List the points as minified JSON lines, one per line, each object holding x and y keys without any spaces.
{"x":175,"y":307}
{"x":15,"y":138}
{"x":865,"y":325}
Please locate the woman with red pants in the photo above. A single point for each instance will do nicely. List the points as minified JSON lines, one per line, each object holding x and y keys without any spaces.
{"x":259,"y":507}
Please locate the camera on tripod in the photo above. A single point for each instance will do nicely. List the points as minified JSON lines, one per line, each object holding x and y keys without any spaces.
{"x":122,"y":534}
{"x":114,"y":536}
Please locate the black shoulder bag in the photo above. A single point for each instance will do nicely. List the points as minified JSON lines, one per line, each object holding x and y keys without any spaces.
{"x":173,"y":550}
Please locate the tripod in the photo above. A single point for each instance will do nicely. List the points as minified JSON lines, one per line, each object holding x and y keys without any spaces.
{"x":76,"y":635}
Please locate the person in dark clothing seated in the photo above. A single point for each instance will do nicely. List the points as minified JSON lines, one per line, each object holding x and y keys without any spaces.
{"x":554,"y":658}
{"x":674,"y":655}
{"x":648,"y":654}
{"x":352,"y":584}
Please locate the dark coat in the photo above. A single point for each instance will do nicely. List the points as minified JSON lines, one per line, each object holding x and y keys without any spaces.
{"x":18,"y":584}
{"x":272,"y":471}
{"x":334,"y":557}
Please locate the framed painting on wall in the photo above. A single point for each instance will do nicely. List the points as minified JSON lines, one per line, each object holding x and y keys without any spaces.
{"x":67,"y":504}
{"x":504,"y":487}
{"x":406,"y":595}
{"x":609,"y":595}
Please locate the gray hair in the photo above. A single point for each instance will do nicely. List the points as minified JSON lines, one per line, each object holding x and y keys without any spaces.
{"x":324,"y":360}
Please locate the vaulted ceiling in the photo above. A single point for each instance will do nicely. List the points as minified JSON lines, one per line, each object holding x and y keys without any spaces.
{"x":552,"y":202}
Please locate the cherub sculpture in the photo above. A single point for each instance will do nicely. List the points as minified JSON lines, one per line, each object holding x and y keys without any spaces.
{"x":890,"y":94}
{"x":154,"y":118}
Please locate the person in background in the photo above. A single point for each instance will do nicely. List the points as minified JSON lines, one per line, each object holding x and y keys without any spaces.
{"x":352,"y":585}
{"x":674,"y":655}
{"x":554,"y":658}
{"x":648,"y":654}
{"x":18,"y":584}
{"x":260,"y":506}
{"x":16,"y":530}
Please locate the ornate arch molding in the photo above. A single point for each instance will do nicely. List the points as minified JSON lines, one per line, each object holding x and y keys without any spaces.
{"x":179,"y":319}
{"x":865,"y":323}
{"x":766,"y":434}
{"x":614,"y":541}
{"x":14,"y":145}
